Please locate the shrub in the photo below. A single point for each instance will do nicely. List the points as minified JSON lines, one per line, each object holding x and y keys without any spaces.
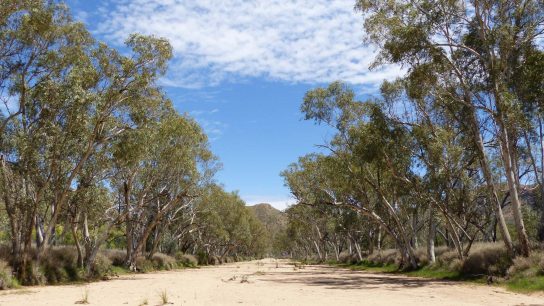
{"x":385,"y":257}
{"x":214,"y":260}
{"x":527,"y":266}
{"x":143,"y":264}
{"x":438,"y":251}
{"x":163,"y":262}
{"x":346,"y":258}
{"x":117,"y":257}
{"x":486,"y":258}
{"x":203,"y":258}
{"x":541,"y":264}
{"x":6,"y":278}
{"x":455,"y":265}
{"x":101,"y":266}
{"x":446,"y":258}
{"x":186,"y":260}
{"x":421,"y":256}
{"x":59,"y":264}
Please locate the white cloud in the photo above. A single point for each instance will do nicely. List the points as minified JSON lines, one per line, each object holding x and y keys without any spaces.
{"x":310,"y":41}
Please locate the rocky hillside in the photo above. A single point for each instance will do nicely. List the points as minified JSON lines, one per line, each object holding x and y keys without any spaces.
{"x":274,"y":221}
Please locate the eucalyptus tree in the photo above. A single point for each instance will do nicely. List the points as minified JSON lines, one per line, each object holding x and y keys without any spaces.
{"x":371,"y":159}
{"x":444,"y":157}
{"x":226,"y":227}
{"x":74,"y":97}
{"x":471,"y":50}
{"x":162,"y":169}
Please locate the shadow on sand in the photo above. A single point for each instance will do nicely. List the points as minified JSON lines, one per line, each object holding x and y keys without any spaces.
{"x":334,"y":278}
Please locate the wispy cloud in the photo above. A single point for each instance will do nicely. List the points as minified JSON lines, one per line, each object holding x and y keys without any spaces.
{"x":216,"y":41}
{"x":213,"y":128}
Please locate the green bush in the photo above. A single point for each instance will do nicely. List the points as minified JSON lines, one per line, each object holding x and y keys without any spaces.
{"x":163,"y":262}
{"x":186,"y":260}
{"x":144,"y":265}
{"x":202,"y":258}
{"x":59,"y":264}
{"x":6,"y":277}
{"x":101,"y":266}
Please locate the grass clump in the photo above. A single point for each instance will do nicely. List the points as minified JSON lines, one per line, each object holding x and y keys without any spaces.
{"x":84,"y":297}
{"x":527,"y":266}
{"x":164,"y":297}
{"x":486,"y":259}
{"x":526,"y":284}
{"x":384,"y":258}
{"x":435,"y":271}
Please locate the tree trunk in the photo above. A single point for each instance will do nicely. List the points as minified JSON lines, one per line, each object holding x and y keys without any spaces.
{"x":432,"y":232}
{"x":492,"y":192}
{"x":508,"y":154}
{"x":80,"y":262}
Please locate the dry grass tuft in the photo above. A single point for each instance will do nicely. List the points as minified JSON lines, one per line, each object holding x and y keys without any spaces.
{"x":186,"y":260}
{"x":164,"y":297}
{"x":486,"y":259}
{"x":527,"y":266}
{"x":84,"y":297}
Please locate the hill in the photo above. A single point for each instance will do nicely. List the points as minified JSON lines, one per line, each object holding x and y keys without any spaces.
{"x":274,"y":221}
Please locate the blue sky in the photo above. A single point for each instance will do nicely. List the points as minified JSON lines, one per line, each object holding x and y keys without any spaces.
{"x":242,"y":67}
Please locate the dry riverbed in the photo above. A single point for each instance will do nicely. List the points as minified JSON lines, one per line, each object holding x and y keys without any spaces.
{"x":268,"y":282}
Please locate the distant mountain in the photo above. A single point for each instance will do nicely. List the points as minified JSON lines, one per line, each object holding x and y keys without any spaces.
{"x":271,"y":217}
{"x":274,"y":220}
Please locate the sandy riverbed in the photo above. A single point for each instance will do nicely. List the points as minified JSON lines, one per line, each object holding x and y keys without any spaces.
{"x":269,"y":285}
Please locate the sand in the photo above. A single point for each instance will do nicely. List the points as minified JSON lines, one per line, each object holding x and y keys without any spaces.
{"x":262,"y":283}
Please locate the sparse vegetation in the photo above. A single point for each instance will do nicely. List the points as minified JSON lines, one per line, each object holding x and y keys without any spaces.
{"x":84,"y":297}
{"x":164,"y":297}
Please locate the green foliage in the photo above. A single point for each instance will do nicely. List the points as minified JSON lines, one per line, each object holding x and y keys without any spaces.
{"x":163,"y":262}
{"x":59,"y":265}
{"x":144,"y":265}
{"x":7,"y":281}
{"x":117,"y":257}
{"x":228,"y":226}
{"x":186,"y":260}
{"x":101,"y":267}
